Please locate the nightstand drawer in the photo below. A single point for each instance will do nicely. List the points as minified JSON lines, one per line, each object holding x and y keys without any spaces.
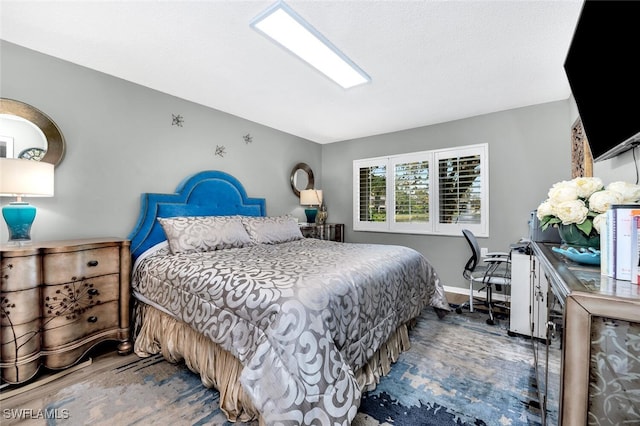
{"x":64,"y":267}
{"x":71,"y":299}
{"x":19,"y":341}
{"x":20,"y":272}
{"x":17,"y":307}
{"x":63,"y":329}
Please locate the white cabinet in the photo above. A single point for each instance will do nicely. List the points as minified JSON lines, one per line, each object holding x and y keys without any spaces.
{"x":528,"y":313}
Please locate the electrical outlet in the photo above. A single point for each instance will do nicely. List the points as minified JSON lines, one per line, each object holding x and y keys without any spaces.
{"x":484,"y":251}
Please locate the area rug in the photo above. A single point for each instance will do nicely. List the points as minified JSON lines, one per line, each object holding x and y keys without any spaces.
{"x":459,"y":371}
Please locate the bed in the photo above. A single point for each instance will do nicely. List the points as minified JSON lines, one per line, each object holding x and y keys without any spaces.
{"x":289,"y":330}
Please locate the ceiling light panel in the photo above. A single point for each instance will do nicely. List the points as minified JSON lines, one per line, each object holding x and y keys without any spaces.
{"x":284,"y":26}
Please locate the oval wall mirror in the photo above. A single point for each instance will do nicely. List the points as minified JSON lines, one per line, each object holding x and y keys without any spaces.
{"x":301,"y":178}
{"x":26,"y":132}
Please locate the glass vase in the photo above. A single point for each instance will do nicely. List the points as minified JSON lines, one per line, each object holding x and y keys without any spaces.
{"x":572,"y":236}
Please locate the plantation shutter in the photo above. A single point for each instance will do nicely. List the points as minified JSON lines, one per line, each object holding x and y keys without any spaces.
{"x":437,"y":192}
{"x":372,"y":192}
{"x":460,"y":189}
{"x":411,"y":192}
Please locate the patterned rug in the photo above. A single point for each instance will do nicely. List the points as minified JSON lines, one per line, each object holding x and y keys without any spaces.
{"x":459,"y":371}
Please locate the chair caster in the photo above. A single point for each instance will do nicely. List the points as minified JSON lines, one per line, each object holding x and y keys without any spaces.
{"x":458,"y":310}
{"x":490,"y":321}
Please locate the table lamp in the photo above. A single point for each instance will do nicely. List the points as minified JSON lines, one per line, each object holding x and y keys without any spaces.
{"x":311,"y":198}
{"x":23,"y":178}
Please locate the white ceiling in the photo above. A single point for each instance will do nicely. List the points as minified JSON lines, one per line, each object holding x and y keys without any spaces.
{"x":430,"y":61}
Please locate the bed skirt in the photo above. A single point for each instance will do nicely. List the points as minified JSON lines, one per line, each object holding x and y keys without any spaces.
{"x":157,"y":332}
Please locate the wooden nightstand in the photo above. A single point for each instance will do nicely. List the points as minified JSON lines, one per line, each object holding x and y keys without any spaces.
{"x":327,"y":231}
{"x":58,"y":299}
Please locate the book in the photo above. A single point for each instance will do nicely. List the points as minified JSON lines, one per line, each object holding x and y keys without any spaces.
{"x":609,"y":244}
{"x":605,"y":246}
{"x":635,"y":250}
{"x":622,"y":218}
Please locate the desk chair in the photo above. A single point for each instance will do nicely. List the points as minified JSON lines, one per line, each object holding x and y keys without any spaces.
{"x":495,"y":271}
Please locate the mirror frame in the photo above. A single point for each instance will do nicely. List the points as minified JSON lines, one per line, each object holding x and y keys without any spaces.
{"x":305,"y":168}
{"x":55,"y":141}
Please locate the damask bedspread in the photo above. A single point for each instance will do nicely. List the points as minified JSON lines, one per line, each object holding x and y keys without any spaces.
{"x":300,"y":316}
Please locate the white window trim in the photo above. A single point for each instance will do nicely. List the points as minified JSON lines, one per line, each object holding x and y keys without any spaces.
{"x":357,"y":223}
{"x":481,"y":229}
{"x":432,"y":227}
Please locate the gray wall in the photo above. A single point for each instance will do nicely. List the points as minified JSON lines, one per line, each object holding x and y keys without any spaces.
{"x":623,"y":167}
{"x":121,"y":142}
{"x":529,"y":150}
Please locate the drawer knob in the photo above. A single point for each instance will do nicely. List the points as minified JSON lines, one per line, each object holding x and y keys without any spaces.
{"x":92,"y":263}
{"x":93,"y":292}
{"x":92,"y":319}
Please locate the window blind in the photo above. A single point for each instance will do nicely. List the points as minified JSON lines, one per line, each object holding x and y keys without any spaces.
{"x":412,"y":192}
{"x":373,"y":193}
{"x":429,"y":192}
{"x":460,"y":189}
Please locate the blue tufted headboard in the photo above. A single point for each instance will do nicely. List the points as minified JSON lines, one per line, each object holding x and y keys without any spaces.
{"x":207,"y":193}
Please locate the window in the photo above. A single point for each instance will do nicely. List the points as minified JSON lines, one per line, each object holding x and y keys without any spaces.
{"x":429,"y":192}
{"x":371,"y":190}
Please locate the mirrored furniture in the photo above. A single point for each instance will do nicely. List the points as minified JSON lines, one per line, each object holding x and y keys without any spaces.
{"x":327,"y":231}
{"x":29,"y":133}
{"x":58,"y":300}
{"x":600,"y":329}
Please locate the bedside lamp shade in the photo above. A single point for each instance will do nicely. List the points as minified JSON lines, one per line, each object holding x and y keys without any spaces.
{"x":23,"y":178}
{"x":311,"y":197}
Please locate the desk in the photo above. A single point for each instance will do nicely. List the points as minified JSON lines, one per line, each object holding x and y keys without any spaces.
{"x":600,"y":366}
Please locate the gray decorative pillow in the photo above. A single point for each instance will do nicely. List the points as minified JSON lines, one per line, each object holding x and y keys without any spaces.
{"x":272,"y":230}
{"x":191,"y":234}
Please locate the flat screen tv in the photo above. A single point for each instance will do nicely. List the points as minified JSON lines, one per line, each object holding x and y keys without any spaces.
{"x":602,"y":68}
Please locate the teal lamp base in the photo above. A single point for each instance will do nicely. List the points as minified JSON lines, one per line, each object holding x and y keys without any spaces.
{"x":19,"y":217}
{"x":311,"y":215}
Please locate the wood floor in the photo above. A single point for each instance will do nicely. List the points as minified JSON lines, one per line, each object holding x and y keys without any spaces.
{"x":102,"y":357}
{"x":456,"y":298}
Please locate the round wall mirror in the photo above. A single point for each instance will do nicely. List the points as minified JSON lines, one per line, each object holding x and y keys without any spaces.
{"x":301,"y":178}
{"x":28,"y":133}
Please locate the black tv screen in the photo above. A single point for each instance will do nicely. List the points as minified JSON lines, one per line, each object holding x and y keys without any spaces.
{"x":604,"y":76}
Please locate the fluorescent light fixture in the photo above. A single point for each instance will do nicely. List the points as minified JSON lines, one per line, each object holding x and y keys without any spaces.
{"x":284,"y":26}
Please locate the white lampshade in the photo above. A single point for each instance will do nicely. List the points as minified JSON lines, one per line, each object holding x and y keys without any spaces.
{"x":25,"y":178}
{"x":311,"y":197}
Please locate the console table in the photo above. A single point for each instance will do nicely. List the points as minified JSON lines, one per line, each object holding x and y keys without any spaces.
{"x":600,"y":367}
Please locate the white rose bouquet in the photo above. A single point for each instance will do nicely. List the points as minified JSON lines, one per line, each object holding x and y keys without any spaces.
{"x":583,"y":201}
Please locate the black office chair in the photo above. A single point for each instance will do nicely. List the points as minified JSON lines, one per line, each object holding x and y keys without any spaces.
{"x":495,"y":271}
